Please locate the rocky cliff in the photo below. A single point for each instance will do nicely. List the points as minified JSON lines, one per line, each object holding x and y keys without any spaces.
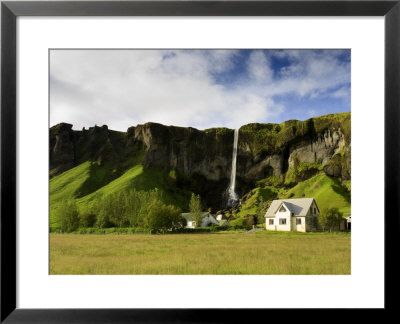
{"x":202,"y":159}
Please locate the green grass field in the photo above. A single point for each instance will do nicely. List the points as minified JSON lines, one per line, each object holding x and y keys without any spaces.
{"x":221,"y":253}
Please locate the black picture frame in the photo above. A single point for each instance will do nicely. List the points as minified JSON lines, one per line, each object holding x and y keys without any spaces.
{"x":10,"y":10}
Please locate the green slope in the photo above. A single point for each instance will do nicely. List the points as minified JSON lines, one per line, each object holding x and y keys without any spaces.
{"x":139,"y":178}
{"x":80,"y":181}
{"x":74,"y":182}
{"x":327,"y":191}
{"x":69,"y":183}
{"x":252,"y":200}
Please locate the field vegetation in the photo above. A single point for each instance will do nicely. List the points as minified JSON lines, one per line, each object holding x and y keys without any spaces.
{"x":220,"y":253}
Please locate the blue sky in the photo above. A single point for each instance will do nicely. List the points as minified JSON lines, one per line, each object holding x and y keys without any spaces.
{"x":197,"y":88}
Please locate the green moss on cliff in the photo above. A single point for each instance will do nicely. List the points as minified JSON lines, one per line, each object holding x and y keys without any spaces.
{"x":271,"y":138}
{"x":336,"y":121}
{"x":300,"y":172}
{"x":271,"y":181}
{"x":218,"y":131}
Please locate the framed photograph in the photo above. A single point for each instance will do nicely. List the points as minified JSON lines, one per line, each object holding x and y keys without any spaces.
{"x":162,"y":159}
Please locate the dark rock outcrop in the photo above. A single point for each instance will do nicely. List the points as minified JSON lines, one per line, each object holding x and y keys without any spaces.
{"x":61,"y":148}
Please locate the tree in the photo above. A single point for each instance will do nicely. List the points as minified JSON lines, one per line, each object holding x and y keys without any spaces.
{"x":195,"y":208}
{"x":331,"y":218}
{"x":139,"y":203}
{"x":118,"y":213}
{"x":161,"y":217}
{"x":67,"y":216}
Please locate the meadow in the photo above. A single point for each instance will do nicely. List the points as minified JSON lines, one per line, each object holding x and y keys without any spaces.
{"x":213,"y":254}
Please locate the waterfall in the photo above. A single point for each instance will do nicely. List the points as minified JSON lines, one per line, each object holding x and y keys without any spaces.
{"x":233,"y":198}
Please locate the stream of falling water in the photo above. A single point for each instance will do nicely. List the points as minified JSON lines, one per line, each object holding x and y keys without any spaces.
{"x":233,"y":198}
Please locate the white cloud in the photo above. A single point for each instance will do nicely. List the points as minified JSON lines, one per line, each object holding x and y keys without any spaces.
{"x":343,"y":92}
{"x":312,"y":72}
{"x":259,"y":67}
{"x":123,"y":88}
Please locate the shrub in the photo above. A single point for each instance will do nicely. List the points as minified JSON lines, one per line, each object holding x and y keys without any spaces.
{"x":67,"y":216}
{"x":87,"y":219}
{"x":240,"y":223}
{"x":103,"y":219}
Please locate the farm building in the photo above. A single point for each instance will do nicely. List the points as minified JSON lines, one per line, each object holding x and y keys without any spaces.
{"x":299,"y":215}
{"x":207,"y":220}
{"x":345,"y":225}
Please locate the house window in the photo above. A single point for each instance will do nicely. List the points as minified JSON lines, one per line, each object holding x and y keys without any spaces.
{"x":298,"y":221}
{"x":282,"y":221}
{"x":282,"y":209}
{"x":271,"y":222}
{"x":194,"y":224}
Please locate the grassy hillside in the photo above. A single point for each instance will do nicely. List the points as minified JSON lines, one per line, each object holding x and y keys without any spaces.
{"x":67,"y":185}
{"x":252,"y":200}
{"x":139,"y":178}
{"x":328,"y":192}
{"x":83,"y":183}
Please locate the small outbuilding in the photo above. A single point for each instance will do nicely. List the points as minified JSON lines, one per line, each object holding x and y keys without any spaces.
{"x":207,"y":220}
{"x":299,"y":215}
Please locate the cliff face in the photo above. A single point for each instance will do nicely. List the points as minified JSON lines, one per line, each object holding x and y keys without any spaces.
{"x":187,"y":150}
{"x":202,"y":160}
{"x":69,"y":148}
{"x":311,"y":148}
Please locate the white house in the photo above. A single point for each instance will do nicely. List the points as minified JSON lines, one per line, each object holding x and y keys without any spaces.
{"x":292,"y":215}
{"x":207,"y":220}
